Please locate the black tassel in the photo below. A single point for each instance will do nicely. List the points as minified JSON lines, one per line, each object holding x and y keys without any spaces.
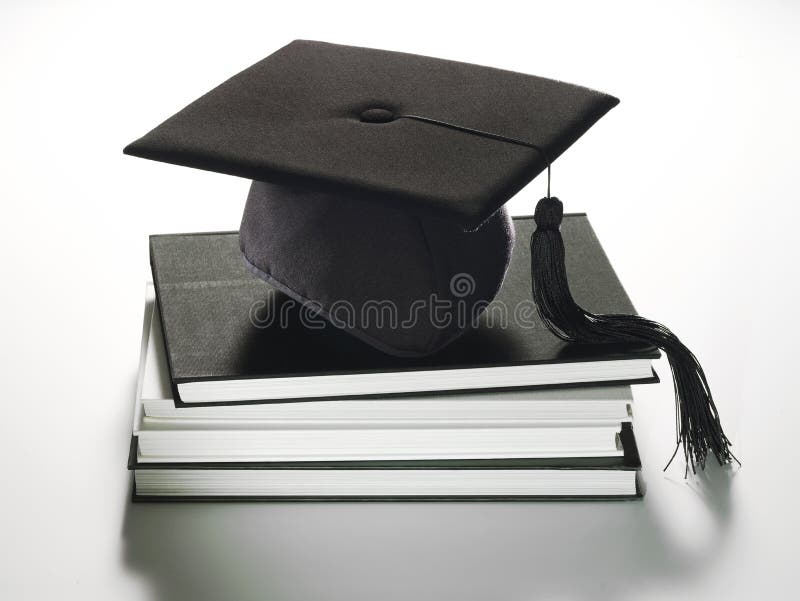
{"x":699,"y":430}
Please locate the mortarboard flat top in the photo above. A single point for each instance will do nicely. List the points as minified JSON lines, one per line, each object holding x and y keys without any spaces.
{"x":305,"y":117}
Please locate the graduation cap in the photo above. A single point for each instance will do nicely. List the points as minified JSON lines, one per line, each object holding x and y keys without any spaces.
{"x":381,"y":177}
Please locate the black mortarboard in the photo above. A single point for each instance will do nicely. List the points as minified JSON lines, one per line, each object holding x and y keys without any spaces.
{"x":324,"y":117}
{"x":381,"y":176}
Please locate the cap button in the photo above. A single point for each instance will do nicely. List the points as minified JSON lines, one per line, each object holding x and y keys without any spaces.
{"x":377,"y":116}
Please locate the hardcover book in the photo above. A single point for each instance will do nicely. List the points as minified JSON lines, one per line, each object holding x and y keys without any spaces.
{"x":482,"y":479}
{"x":231,"y":338}
{"x":156,"y":410}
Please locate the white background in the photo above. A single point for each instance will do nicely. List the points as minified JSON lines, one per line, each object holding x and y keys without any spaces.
{"x":690,"y":183}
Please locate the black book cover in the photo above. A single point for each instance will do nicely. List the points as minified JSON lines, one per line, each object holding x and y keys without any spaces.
{"x":210,"y":304}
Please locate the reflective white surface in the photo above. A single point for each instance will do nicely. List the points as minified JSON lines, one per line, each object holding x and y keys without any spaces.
{"x":690,"y":184}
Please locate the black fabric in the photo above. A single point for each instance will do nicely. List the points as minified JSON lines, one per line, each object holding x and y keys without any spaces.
{"x":366,"y":265}
{"x":303,"y":116}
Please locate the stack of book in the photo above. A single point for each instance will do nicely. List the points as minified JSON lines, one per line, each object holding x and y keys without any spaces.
{"x":243,"y":393}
